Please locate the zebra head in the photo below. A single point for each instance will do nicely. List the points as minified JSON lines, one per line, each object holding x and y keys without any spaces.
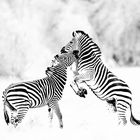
{"x":73,"y":44}
{"x":69,"y":47}
{"x":67,"y":58}
{"x":81,"y":41}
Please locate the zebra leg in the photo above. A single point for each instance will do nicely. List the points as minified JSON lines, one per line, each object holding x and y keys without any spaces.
{"x":112,"y":103}
{"x":50,"y":110}
{"x":83,"y":77}
{"x":21,"y":114}
{"x":58,"y":113}
{"x":121,"y":111}
{"x":80,"y":91}
{"x":18,"y":116}
{"x":75,"y":86}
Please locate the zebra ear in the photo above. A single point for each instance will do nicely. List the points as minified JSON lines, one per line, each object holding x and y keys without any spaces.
{"x":75,"y":52}
{"x":74,"y":34}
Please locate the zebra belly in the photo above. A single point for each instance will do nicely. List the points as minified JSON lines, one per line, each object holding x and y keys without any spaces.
{"x":37,"y":106}
{"x":113,"y":89}
{"x":35,"y":103}
{"x":42,"y":100}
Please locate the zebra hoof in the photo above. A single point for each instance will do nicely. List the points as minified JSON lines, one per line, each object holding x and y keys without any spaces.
{"x":82,"y":92}
{"x":61,"y":126}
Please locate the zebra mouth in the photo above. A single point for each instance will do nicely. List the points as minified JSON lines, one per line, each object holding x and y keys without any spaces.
{"x":63,"y":50}
{"x":56,"y":58}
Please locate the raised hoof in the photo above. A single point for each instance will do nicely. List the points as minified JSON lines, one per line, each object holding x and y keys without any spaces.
{"x":82,"y":92}
{"x":61,"y":126}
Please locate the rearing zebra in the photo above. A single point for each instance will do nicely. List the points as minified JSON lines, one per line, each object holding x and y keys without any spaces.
{"x":102,"y":82}
{"x":47,"y":91}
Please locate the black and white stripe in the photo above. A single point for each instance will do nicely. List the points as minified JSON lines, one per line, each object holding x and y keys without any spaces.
{"x":47,"y":91}
{"x":103,"y":83}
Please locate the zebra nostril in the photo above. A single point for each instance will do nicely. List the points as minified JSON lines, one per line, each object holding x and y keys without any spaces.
{"x":56,"y":56}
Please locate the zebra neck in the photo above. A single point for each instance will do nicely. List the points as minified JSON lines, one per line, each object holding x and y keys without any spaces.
{"x":97,"y":62}
{"x":100,"y":68}
{"x":60,"y":73}
{"x":86,"y":44}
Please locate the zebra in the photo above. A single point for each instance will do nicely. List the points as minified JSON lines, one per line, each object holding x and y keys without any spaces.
{"x":101,"y":81}
{"x":19,"y":97}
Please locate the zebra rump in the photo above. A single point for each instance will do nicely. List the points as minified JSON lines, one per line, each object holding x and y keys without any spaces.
{"x":6,"y":116}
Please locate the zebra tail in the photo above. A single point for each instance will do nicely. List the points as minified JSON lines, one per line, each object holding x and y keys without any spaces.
{"x":133,"y":120}
{"x":6,"y":102}
{"x":6,"y":116}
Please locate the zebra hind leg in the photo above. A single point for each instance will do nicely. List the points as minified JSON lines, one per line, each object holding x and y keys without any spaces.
{"x":112,"y":103}
{"x":20,"y":114}
{"x":14,"y":119}
{"x":121,"y":111}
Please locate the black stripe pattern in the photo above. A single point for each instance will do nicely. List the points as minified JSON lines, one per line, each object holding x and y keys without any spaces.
{"x":20,"y":97}
{"x":103,"y":83}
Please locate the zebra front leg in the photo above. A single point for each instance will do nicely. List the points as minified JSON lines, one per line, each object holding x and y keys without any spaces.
{"x":75,"y":87}
{"x":58,"y":113}
{"x":50,"y":110}
{"x":81,"y":91}
{"x":112,"y":103}
{"x":84,"y":76}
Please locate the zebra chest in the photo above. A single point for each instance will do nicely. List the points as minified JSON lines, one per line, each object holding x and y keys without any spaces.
{"x":47,"y":91}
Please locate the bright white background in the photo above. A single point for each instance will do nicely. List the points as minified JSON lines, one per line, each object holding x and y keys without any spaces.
{"x":33,"y":31}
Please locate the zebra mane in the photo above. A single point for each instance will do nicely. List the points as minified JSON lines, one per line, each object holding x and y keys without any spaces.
{"x":96,"y":46}
{"x":52,"y":69}
{"x":49,"y":69}
{"x":82,"y":32}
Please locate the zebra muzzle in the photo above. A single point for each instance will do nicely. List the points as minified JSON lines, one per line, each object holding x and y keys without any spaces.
{"x":63,"y":50}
